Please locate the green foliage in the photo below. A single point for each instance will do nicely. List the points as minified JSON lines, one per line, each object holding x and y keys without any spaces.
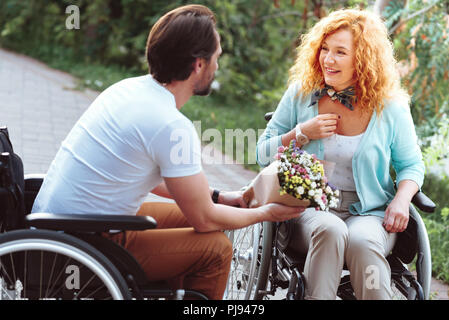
{"x":437,"y":189}
{"x":420,"y":31}
{"x":436,"y":159}
{"x":439,"y":245}
{"x":436,"y":151}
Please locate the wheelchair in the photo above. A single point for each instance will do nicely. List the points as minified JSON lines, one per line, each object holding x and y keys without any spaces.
{"x":64,"y":256}
{"x":265,"y":264}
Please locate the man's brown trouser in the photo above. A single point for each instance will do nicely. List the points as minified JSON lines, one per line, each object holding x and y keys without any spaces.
{"x":176,"y":253}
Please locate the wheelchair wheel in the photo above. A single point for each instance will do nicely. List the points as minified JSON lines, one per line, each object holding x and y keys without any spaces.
{"x":245,"y":263}
{"x":42,"y":264}
{"x":264,"y":265}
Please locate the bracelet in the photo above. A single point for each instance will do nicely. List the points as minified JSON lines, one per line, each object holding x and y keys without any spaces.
{"x":215,"y":195}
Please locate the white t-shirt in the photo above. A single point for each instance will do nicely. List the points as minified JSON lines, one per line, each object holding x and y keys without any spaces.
{"x":130,"y":137}
{"x":340,"y":149}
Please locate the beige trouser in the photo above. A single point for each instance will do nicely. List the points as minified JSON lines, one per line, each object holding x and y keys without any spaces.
{"x":331,"y":239}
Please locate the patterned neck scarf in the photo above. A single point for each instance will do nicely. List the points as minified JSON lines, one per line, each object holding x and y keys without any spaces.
{"x":346,"y":96}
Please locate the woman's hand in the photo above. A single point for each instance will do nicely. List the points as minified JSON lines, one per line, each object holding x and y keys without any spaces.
{"x":396,"y":215}
{"x":232,"y":198}
{"x":321,"y":126}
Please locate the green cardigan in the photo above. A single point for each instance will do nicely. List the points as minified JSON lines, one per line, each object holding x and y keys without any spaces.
{"x":388,"y":138}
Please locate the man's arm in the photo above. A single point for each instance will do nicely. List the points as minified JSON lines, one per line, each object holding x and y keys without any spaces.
{"x":230,"y":198}
{"x":192,"y":194}
{"x":162,"y":191}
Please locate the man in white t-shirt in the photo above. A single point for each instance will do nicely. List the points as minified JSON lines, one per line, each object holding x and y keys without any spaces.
{"x":134,"y":139}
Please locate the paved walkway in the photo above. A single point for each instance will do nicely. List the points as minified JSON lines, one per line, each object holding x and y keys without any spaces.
{"x":40,"y":106}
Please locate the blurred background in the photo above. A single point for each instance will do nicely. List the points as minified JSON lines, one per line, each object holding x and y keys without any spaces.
{"x":259,"y":38}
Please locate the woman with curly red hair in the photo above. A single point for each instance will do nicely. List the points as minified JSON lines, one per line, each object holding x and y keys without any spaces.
{"x":345,"y":104}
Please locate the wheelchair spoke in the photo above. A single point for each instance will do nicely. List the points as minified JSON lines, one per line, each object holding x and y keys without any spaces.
{"x":84,"y":287}
{"x":94,"y":292}
{"x":57,"y":279}
{"x":43,"y":264}
{"x":51,"y":274}
{"x":5,"y":271}
{"x":13,"y":268}
{"x":41,"y":274}
{"x":25,"y":256}
{"x":245,"y":261}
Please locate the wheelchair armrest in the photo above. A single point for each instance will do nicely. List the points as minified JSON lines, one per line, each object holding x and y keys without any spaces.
{"x":423,"y":202}
{"x":268,"y":115}
{"x":89,"y":222}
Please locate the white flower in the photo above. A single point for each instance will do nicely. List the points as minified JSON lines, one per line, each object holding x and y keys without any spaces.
{"x":313,"y":185}
{"x":311,"y":193}
{"x":333,"y":203}
{"x":300,"y":190}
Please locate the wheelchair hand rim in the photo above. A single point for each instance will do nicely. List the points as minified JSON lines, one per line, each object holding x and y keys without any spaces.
{"x":68,"y":250}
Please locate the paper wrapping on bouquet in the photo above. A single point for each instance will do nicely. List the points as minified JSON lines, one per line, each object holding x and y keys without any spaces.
{"x":265,"y":188}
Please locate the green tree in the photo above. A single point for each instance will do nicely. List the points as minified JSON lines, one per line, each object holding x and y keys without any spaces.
{"x":420,"y":31}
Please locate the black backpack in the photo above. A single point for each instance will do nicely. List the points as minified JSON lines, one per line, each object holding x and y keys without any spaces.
{"x":12,"y":208}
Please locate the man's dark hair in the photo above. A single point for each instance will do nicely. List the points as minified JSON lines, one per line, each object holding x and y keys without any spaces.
{"x":177,"y":39}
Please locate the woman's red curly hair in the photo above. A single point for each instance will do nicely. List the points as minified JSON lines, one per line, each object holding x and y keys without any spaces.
{"x":375,"y":65}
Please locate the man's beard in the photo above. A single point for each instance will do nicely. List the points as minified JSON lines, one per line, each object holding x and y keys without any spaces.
{"x":203,"y":90}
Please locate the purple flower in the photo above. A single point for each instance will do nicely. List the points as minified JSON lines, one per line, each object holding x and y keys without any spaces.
{"x":331,"y":186}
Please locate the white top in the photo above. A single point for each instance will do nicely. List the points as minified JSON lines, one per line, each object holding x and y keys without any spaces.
{"x":340,"y":149}
{"x":130,"y":137}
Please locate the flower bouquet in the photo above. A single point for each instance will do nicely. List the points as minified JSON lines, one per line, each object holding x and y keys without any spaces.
{"x":296,"y":178}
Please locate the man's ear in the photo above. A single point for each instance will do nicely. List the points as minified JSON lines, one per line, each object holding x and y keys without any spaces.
{"x":198,"y":65}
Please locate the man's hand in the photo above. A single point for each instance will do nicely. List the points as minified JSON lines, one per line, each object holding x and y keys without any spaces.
{"x":192,"y":195}
{"x":278,"y":212}
{"x":232,"y":198}
{"x":396,"y":215}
